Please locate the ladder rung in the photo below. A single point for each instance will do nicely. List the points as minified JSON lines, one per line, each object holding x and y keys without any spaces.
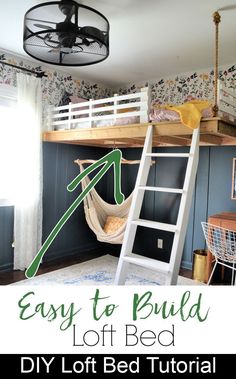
{"x":150,"y":263}
{"x":155,"y":225}
{"x":168,"y":155}
{"x":161,"y":189}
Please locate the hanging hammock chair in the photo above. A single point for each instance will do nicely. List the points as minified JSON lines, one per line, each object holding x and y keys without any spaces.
{"x":107,"y":221}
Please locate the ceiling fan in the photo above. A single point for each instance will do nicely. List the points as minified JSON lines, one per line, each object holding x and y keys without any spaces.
{"x":67,"y":34}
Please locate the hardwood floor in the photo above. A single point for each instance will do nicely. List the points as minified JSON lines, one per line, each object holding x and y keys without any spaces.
{"x":16,"y":275}
{"x":186,"y":273}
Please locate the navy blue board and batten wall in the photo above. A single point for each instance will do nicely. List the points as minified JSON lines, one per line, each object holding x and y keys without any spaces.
{"x":59,"y":170}
{"x":212,"y":195}
{"x":6,"y":237}
{"x":212,"y":191}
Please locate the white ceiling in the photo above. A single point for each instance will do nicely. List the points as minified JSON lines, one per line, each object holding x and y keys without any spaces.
{"x":149,"y":38}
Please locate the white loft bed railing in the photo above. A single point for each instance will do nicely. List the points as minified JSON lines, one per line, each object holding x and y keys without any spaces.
{"x":113,"y":108}
{"x":226,"y":101}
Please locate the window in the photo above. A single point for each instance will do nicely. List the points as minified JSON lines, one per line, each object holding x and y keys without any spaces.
{"x":8,"y":144}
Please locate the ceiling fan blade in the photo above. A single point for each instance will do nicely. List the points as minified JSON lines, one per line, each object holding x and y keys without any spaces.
{"x":99,"y":43}
{"x":65,"y":50}
{"x":41,"y":26}
{"x":92,"y":32}
{"x":36,"y":19}
{"x":87,"y":43}
{"x":39,"y":46}
{"x":227,"y":8}
{"x":56,"y":50}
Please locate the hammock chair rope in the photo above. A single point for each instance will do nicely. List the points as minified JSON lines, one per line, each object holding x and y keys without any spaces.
{"x":97,"y":211}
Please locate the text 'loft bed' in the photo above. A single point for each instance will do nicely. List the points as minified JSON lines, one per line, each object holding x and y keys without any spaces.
{"x":122,"y":121}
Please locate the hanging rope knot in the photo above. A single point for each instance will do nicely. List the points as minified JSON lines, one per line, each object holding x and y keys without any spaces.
{"x":216,"y":17}
{"x":215,"y":110}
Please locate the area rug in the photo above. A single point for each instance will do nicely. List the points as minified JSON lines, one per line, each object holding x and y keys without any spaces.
{"x":100,"y":271}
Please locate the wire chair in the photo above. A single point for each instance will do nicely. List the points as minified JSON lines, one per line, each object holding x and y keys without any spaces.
{"x":222,"y":244}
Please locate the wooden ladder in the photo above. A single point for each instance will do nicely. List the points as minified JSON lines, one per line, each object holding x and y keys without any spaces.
{"x":127,"y":257}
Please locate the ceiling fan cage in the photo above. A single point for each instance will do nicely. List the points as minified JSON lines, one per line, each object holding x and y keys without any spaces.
{"x":66,"y":33}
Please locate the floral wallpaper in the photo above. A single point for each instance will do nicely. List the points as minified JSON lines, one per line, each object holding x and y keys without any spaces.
{"x":178,"y":89}
{"x":55,"y":85}
{"x":174,"y":90}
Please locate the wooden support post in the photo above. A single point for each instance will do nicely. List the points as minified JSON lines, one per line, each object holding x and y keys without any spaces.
{"x":144,"y":107}
{"x":90,"y":113}
{"x":49,"y":120}
{"x":115,"y":107}
{"x":69,"y":117}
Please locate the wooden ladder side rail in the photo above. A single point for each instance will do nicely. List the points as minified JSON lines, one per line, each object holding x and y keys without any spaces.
{"x":184,"y":209}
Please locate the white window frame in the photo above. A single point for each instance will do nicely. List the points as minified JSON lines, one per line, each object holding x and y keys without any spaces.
{"x":7,"y":92}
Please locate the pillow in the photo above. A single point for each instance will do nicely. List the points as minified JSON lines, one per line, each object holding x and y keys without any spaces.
{"x":160,"y":114}
{"x":113,"y":224}
{"x":76,"y":100}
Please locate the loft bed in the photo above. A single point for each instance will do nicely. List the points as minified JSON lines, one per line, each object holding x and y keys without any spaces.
{"x":104,"y":123}
{"x":122,"y":121}
{"x":213,"y":131}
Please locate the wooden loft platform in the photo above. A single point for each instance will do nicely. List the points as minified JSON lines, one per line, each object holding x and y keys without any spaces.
{"x":214,"y":131}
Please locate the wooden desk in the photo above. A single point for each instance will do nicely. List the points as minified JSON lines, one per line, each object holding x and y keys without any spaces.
{"x":225,"y":220}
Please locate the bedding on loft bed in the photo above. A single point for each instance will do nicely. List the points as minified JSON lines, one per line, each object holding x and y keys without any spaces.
{"x":159,"y":113}
{"x":226,"y":107}
{"x":108,"y":122}
{"x":102,"y":123}
{"x":189,"y":113}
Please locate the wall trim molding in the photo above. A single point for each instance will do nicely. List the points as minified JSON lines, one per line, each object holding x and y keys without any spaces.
{"x":186,"y":264}
{"x":6,"y":267}
{"x":86,"y":249}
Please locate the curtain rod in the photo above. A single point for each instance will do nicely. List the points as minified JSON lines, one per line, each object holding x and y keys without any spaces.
{"x":38,"y":74}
